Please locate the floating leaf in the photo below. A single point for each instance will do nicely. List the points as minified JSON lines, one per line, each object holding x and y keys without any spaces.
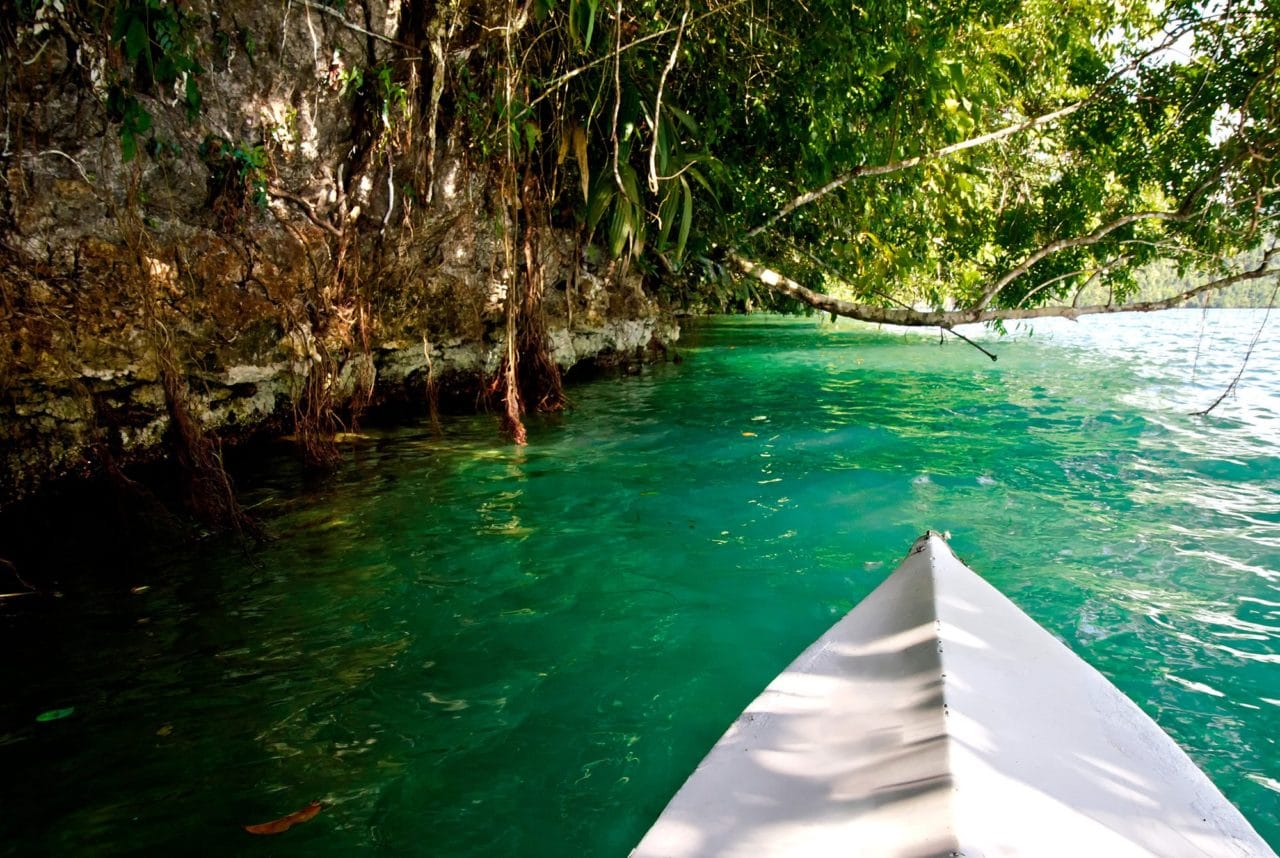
{"x":165,"y":730}
{"x":55,"y":714}
{"x":748,"y":434}
{"x":284,"y":823}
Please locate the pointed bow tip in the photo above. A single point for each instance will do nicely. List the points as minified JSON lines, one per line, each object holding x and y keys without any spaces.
{"x":931,"y":539}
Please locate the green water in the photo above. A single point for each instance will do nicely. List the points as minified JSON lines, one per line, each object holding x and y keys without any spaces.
{"x":466,"y":649}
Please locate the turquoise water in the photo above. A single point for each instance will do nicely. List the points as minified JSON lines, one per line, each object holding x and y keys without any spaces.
{"x":467,"y":649}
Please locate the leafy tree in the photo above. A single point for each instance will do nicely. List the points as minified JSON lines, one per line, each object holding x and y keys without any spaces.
{"x":919,"y":163}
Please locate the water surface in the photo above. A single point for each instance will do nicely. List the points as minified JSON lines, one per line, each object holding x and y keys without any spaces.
{"x":467,"y":649}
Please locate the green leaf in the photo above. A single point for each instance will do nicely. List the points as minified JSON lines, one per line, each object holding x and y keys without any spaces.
{"x":582,"y":22}
{"x":685,"y":119}
{"x":128,"y":145}
{"x":592,"y":5}
{"x":194,"y":99}
{"x":601,"y":197}
{"x":55,"y":714}
{"x":663,"y":143}
{"x":667,"y":213}
{"x":120,"y":27}
{"x":697,"y":176}
{"x":135,"y":41}
{"x":629,"y":183}
{"x":532,"y":134}
{"x":686,"y":218}
{"x":619,"y":228}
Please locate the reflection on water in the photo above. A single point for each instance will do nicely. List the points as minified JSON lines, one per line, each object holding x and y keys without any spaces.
{"x":462,"y":648}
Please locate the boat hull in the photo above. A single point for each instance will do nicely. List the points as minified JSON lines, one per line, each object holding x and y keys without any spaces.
{"x":937,"y":719}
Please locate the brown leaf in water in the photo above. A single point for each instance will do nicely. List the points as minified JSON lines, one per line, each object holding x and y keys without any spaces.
{"x":284,"y":823}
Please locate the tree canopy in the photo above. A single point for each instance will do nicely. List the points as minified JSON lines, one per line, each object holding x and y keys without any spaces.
{"x":916,"y":162}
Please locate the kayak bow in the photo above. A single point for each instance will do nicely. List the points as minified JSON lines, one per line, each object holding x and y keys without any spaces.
{"x":937,"y":719}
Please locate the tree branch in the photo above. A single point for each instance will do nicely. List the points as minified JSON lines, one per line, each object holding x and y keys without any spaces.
{"x":911,"y":317}
{"x":336,"y":13}
{"x":953,"y":332}
{"x":1093,"y":273}
{"x":1244,"y":363}
{"x":973,"y":142}
{"x":556,"y":82}
{"x":1067,"y":243}
{"x":1183,"y":212}
{"x":307,"y":209}
{"x":907,"y":163}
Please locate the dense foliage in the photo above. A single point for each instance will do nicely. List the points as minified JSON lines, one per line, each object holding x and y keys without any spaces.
{"x":1152,"y":135}
{"x":989,"y":156}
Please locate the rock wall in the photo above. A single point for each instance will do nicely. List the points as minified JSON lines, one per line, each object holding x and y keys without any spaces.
{"x":294,"y":239}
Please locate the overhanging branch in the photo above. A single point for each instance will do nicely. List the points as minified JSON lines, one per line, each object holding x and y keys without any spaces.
{"x":911,"y":317}
{"x":907,"y":163}
{"x":981,"y":140}
{"x":1067,"y":243}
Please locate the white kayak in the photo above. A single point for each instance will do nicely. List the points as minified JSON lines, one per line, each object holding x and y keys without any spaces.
{"x":937,"y":719}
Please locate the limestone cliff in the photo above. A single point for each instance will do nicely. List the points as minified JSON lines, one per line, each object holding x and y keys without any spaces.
{"x":304,"y":217}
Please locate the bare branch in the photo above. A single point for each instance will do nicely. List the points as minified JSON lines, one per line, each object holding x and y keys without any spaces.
{"x":77,"y":164}
{"x":953,"y":332}
{"x":1244,"y":363}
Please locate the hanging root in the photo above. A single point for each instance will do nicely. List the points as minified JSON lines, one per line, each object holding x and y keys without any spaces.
{"x":316,"y":423}
{"x":208,"y":491}
{"x":540,"y":380}
{"x":512,"y":401}
{"x":433,"y":387}
{"x":528,"y":373}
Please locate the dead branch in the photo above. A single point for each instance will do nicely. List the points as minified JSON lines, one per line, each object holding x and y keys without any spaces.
{"x":1244,"y":363}
{"x":336,"y":13}
{"x":953,"y":332}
